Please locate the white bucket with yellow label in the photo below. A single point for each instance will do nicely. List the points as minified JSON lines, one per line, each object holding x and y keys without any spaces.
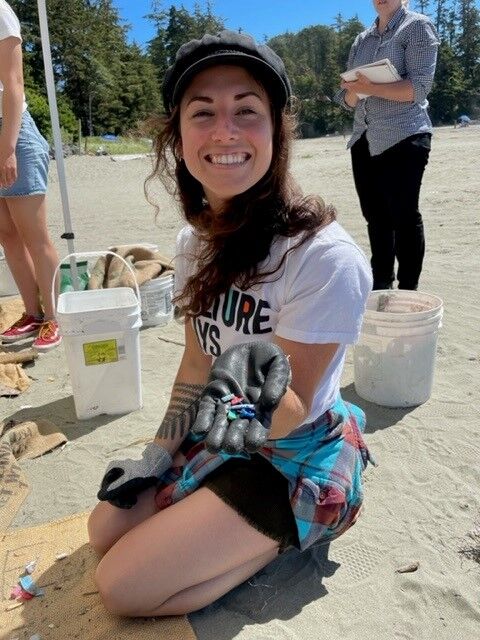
{"x":100,"y":329}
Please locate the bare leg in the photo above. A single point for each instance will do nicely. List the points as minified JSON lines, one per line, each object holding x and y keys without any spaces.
{"x":181,"y":558}
{"x":19,"y":261}
{"x":29,"y":214}
{"x":107,"y":523}
{"x":203,"y":594}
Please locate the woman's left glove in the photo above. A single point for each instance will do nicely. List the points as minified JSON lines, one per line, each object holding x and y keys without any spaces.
{"x":125,"y":479}
{"x":254,"y":375}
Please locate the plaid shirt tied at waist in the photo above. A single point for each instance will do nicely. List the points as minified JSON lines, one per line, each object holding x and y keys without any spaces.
{"x":322,"y":461}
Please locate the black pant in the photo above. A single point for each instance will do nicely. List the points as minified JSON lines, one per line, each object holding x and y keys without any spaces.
{"x":388,"y":187}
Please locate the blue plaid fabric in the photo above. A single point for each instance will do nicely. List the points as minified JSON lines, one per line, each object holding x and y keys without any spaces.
{"x":322,"y":461}
{"x":411,"y":43}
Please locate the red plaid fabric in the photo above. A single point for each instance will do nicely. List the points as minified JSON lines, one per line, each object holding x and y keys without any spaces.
{"x":322,"y":461}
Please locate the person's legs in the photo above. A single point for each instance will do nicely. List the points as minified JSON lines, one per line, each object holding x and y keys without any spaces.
{"x":19,"y":261}
{"x":407,"y":161}
{"x":368,"y":175}
{"x":29,"y":215}
{"x":181,"y":559}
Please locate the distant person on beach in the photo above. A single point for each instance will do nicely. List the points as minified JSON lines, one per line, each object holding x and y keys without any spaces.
{"x":257,"y":451}
{"x":24,"y":158}
{"x":391,"y":138}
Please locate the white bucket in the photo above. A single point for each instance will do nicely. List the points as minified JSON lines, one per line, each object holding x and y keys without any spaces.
{"x":8,"y":286}
{"x":394,"y":360}
{"x":100,"y":329}
{"x":156,"y":297}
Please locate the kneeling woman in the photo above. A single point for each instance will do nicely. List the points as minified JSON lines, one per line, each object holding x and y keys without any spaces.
{"x":272,"y":290}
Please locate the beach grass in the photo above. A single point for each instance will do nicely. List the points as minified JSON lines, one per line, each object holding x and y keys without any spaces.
{"x":121,"y":145}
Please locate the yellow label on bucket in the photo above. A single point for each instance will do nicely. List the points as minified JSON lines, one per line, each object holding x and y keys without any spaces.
{"x":100,"y":352}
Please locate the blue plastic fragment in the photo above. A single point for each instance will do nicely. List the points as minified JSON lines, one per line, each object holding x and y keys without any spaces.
{"x":245,"y":413}
{"x":28,"y":585}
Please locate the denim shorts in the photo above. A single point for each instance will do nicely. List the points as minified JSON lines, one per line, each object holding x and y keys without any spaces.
{"x":32,"y":161}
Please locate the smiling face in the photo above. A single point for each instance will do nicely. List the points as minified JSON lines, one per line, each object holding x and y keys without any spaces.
{"x":226,"y":132}
{"x":386,"y":8}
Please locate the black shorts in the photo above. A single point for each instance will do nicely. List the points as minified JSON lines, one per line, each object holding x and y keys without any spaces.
{"x":259,"y":494}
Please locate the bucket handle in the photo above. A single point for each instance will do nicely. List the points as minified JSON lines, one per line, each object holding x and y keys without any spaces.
{"x":92,"y":254}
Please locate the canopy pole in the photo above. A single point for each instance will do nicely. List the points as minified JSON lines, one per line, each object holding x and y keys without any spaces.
{"x":57,"y":138}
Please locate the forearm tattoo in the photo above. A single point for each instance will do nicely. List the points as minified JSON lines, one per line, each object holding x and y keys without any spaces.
{"x":181,"y":412}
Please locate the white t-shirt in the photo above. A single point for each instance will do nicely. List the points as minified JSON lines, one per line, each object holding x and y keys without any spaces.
{"x":318,"y":296}
{"x":9,"y":26}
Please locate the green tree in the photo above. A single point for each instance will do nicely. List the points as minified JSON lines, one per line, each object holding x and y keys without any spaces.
{"x":176,"y":26}
{"x":447,"y":98}
{"x":441,"y":18}
{"x":91,"y":59}
{"x":314,"y":58}
{"x":103,"y":80}
{"x":140,"y":95}
{"x":422,"y":6}
{"x":347,"y":31}
{"x":468,"y":50}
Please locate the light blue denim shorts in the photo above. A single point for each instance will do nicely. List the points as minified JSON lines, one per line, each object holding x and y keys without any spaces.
{"x":32,"y":161}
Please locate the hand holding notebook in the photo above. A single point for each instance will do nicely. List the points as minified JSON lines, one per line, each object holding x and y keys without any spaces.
{"x":381,"y":72}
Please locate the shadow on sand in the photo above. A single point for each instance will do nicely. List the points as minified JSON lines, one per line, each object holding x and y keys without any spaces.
{"x":280,"y":591}
{"x":378,"y":418}
{"x":62,"y":413}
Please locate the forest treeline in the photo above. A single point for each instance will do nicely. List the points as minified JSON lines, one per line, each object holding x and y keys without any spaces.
{"x":110,"y":85}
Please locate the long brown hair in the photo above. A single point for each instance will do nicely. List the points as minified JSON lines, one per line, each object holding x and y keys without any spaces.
{"x":235,"y":242}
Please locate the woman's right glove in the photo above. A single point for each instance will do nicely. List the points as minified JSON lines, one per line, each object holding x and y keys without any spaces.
{"x":257,"y":372}
{"x":125,"y":479}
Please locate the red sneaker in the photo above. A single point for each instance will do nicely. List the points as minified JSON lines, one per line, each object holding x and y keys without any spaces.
{"x":25,"y":327}
{"x":48,"y":337}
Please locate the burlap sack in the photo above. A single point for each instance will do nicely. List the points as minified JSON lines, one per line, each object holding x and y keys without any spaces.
{"x":71,"y":607}
{"x":24,"y":440}
{"x":110,"y":272}
{"x":12,"y":376}
{"x":10,"y":311}
{"x":13,"y":486}
{"x":32,"y":438}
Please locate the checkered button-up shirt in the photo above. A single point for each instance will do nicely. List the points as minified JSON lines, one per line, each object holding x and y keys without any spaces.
{"x":410,"y":42}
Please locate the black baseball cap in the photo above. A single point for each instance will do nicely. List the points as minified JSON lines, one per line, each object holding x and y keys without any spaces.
{"x":227,"y":47}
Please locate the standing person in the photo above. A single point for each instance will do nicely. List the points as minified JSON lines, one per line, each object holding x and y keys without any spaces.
{"x":391,"y":138}
{"x":24,"y":159}
{"x":272,"y":290}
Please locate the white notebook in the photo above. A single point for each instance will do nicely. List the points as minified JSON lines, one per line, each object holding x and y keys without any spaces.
{"x":381,"y":71}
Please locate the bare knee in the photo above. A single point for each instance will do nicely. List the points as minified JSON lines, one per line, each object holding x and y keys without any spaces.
{"x":110,"y":592}
{"x":39,"y":246}
{"x":117,"y":594}
{"x":100,"y":533}
{"x":107,"y":523}
{"x":9,"y":237}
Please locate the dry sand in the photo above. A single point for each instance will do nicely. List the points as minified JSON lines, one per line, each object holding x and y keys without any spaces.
{"x":423,"y":498}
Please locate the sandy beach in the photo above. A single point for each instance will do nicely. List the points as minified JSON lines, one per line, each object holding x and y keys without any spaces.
{"x":422,"y":500}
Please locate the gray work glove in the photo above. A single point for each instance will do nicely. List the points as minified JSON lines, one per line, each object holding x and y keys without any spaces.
{"x":259,"y":372}
{"x":125,"y":479}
